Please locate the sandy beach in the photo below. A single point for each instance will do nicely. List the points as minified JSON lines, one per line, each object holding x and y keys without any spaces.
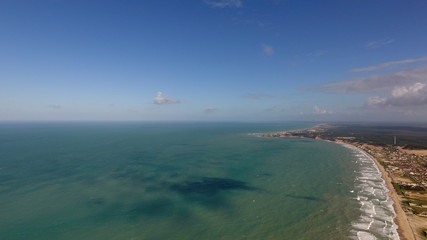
{"x":405,"y":229}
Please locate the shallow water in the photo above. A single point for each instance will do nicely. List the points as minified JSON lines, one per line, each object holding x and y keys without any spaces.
{"x":173,"y":181}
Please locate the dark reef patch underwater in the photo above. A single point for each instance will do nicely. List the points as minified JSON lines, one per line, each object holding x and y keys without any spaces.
{"x":209,"y":186}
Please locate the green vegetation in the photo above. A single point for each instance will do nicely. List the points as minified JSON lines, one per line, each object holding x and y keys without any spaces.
{"x":398,"y":189}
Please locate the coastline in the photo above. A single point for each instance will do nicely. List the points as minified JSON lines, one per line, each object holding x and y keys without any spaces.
{"x":404,"y":229}
{"x":404,"y":171}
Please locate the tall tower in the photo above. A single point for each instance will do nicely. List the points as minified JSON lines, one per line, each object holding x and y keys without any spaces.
{"x":394,"y":140}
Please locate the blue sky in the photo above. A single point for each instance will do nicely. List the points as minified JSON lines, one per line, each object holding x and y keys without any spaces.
{"x":213,"y":60}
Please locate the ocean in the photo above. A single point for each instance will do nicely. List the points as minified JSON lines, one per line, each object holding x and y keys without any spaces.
{"x":156,"y":181}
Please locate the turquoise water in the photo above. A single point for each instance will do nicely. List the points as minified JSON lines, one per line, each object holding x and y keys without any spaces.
{"x":172,"y":181}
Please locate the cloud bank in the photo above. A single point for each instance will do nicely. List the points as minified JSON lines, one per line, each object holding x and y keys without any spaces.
{"x":376,"y":83}
{"x":404,"y":91}
{"x":404,"y":96}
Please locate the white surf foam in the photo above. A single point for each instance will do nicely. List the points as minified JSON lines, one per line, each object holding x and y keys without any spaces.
{"x":376,"y":220}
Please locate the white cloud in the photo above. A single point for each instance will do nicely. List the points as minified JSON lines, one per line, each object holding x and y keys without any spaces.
{"x":375,"y":102}
{"x":318,"y":110}
{"x":388,"y":64}
{"x":408,"y":91}
{"x":392,"y":94}
{"x":375,"y":44}
{"x":210,"y":109}
{"x":224,"y":3}
{"x":403,"y":96}
{"x":407,"y":88}
{"x":161,"y":99}
{"x":413,"y":95}
{"x":267,"y":50}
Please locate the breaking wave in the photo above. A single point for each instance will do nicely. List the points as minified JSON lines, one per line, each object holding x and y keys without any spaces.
{"x":376,"y":220}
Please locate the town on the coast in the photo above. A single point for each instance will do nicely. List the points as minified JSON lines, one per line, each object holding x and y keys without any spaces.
{"x":402,"y":153}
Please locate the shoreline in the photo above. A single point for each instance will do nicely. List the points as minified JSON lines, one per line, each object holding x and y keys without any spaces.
{"x":403,"y":172}
{"x":405,"y":230}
